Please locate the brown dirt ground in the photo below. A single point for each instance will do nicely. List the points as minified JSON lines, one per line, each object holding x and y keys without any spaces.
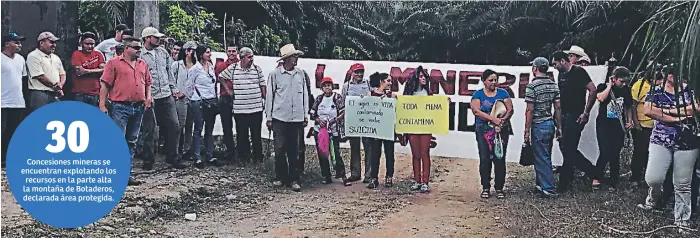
{"x":235,"y":201}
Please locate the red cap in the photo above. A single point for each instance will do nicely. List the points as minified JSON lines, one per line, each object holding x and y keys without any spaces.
{"x":327,"y":80}
{"x":356,"y":66}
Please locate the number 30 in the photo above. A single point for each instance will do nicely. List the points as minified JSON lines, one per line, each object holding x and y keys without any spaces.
{"x":57,"y":136}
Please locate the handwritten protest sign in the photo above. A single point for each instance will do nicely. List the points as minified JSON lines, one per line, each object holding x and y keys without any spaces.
{"x":370,"y":117}
{"x":422,"y":114}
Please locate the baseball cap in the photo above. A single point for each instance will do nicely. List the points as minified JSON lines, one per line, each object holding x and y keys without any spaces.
{"x":47,"y":35}
{"x":13,"y":36}
{"x":540,"y":61}
{"x":327,"y":80}
{"x":357,"y":66}
{"x":151,"y":31}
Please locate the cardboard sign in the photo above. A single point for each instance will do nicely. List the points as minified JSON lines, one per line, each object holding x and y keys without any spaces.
{"x":370,"y":117}
{"x":422,"y":114}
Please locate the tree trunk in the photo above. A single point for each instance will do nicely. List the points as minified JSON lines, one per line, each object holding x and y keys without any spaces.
{"x":146,"y":14}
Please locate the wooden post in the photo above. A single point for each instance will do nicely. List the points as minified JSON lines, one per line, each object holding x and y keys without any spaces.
{"x":146,"y":14}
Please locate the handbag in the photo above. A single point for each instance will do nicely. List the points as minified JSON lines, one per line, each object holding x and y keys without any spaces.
{"x":211,"y":103}
{"x":498,"y":146}
{"x":323,"y":142}
{"x":527,"y":156}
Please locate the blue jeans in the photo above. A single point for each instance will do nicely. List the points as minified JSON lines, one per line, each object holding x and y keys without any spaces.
{"x":542,"y":139}
{"x":203,"y":117}
{"x":128,"y":117}
{"x":87,"y":98}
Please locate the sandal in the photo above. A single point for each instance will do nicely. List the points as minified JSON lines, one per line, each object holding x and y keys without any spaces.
{"x":500,"y":194}
{"x":485,"y":193}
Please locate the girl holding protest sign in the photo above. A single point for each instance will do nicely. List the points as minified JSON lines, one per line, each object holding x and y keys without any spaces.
{"x":418,"y":85}
{"x":382,"y":84}
{"x":493,"y":108}
{"x":327,"y":111}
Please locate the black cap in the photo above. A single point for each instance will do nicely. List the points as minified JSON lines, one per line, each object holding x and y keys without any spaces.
{"x":12,"y":36}
{"x":121,"y":27}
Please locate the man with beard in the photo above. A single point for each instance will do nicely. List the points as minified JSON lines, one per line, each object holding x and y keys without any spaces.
{"x":574,"y":82}
{"x":127,"y":81}
{"x":46,"y":73}
{"x":13,"y":69}
{"x":286,"y":107}
{"x":89,"y":65}
{"x":163,"y":91}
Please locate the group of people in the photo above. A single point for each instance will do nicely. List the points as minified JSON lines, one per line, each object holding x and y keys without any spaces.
{"x":140,"y":84}
{"x":656,"y":115}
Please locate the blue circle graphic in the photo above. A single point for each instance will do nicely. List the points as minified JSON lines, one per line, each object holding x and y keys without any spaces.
{"x":68,"y":164}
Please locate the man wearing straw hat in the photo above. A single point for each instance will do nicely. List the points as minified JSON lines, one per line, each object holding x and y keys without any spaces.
{"x":286,"y":107}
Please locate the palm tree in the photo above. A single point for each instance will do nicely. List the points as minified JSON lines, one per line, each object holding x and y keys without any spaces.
{"x":670,"y":33}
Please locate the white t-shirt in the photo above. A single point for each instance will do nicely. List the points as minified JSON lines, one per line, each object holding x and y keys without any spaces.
{"x":108,"y":48}
{"x":327,"y":111}
{"x":421,"y":92}
{"x":12,"y":72}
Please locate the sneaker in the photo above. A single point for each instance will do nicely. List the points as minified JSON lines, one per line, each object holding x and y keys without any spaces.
{"x":373,"y":183}
{"x":646,"y":206}
{"x":214,"y":161}
{"x":199,"y":164}
{"x":295,"y":187}
{"x":277,"y":183}
{"x":549,"y":194}
{"x":346,"y":182}
{"x":366,"y":180}
{"x":425,"y":188}
{"x":416,"y":186}
{"x":354,"y":178}
{"x":389,"y":182}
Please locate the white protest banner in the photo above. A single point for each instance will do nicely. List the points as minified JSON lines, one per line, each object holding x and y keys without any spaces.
{"x":368,"y":116}
{"x":457,"y":81}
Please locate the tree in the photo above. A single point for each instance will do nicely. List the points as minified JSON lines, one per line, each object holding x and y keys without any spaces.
{"x":197,"y":27}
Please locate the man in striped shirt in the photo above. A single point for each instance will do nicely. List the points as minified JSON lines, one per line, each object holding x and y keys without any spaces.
{"x":248,"y":99}
{"x":541,"y":95}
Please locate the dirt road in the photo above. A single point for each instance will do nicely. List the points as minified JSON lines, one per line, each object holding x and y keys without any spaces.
{"x":232,"y":201}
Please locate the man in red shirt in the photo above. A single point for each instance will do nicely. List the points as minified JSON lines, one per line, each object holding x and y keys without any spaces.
{"x":127,"y":81}
{"x":226,"y":100}
{"x":88,"y":64}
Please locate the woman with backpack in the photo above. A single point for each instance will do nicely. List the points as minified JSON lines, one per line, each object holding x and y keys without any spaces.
{"x":327,"y":111}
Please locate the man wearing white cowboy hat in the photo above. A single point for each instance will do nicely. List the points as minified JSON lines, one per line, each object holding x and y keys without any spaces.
{"x":576,"y":53}
{"x":286,"y":109}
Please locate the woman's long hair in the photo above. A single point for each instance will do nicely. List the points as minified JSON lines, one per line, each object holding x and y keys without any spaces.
{"x":181,"y":56}
{"x":375,"y":80}
{"x":199,"y":53}
{"x":413,"y":83}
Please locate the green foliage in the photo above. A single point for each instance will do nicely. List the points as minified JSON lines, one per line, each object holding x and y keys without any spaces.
{"x":101,"y":17}
{"x":199,"y":27}
{"x":345,"y":53}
